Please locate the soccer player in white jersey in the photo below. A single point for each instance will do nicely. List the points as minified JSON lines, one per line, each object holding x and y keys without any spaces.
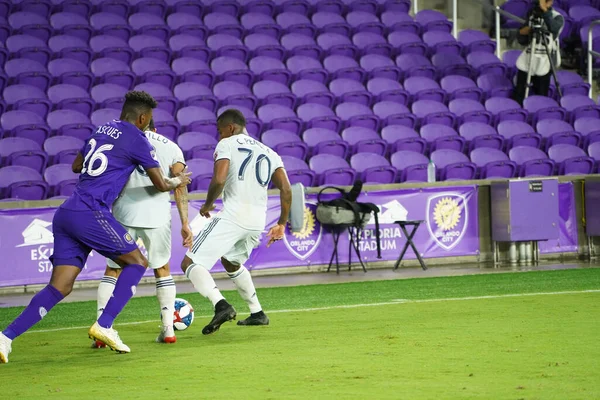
{"x":146,"y":214}
{"x":243,"y":169}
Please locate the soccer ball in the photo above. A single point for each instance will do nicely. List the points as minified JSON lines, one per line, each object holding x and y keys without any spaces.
{"x":183,"y":315}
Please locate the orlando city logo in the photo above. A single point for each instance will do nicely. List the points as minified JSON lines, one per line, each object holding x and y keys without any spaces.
{"x":304,"y":243}
{"x":447,"y":219}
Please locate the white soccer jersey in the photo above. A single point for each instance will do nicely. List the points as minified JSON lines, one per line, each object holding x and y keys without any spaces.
{"x":251,"y":167}
{"x":140,"y":204}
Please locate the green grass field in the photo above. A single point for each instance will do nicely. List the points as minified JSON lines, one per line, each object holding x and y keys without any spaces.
{"x":497,"y":336}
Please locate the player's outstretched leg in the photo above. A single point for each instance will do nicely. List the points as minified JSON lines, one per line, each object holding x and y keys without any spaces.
{"x":61,"y":284}
{"x":105,"y":290}
{"x":166,"y":292}
{"x":206,"y":286}
{"x":242,"y":279}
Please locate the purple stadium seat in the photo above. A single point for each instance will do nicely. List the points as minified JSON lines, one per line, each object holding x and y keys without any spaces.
{"x":325,"y":141}
{"x":193,"y":70}
{"x":39,"y":7}
{"x":531,"y":161}
{"x":379,"y":66}
{"x":70,"y":123}
{"x":393,"y":113}
{"x":515,"y":7}
{"x":150,"y":46}
{"x":582,"y":14}
{"x":28,"y":98}
{"x":332,"y":170}
{"x":416,"y":65}
{"x":234,"y":93}
{"x":110,"y":70}
{"x":298,"y":171}
{"x":104,"y":115}
{"x":400,"y":22}
{"x":301,"y":45}
{"x":580,"y":106}
{"x":285,"y":143}
{"x":485,"y":63}
{"x":269,"y":92}
{"x":460,"y":87}
{"x":362,"y":21}
{"x":28,"y":23}
{"x":354,"y":114}
{"x":82,"y":8}
{"x":187,"y":45}
{"x":109,"y":95}
{"x":432,"y":20}
{"x":407,"y":43}
{"x":61,"y":179}
{"x":266,"y":7}
{"x":227,"y":45}
{"x":388,"y":90}
{"x":331,"y":6}
{"x":194,"y":118}
{"x":337,"y":44}
{"x":148,"y":24}
{"x":232,"y":69}
{"x":4,"y":29}
{"x":153,"y":70}
{"x":296,"y":23}
{"x":364,"y":140}
{"x":304,"y":67}
{"x":453,"y":165}
{"x":218,"y":22}
{"x":165,"y":123}
{"x":70,"y":47}
{"x":72,"y":72}
{"x":62,"y":149}
{"x":452,"y":64}
{"x":68,"y":23}
{"x":116,"y":7}
{"x":373,"y":168}
{"x":571,"y":84}
{"x":276,"y":116}
{"x":348,"y":90}
{"x":71,"y":97}
{"x":442,"y":137}
{"x":372,"y":43}
{"x":294,"y":6}
{"x":397,"y":6}
{"x":506,"y":109}
{"x":331,"y":22}
{"x":319,"y":116}
{"x":111,"y":24}
{"x":495,"y":85}
{"x":368,"y":6}
{"x":474,"y":40}
{"x":403,"y":138}
{"x":542,"y":107}
{"x":493,"y":163}
{"x":23,"y":183}
{"x":442,"y":42}
{"x":309,"y":91}
{"x":571,"y":160}
{"x":111,"y":47}
{"x":519,"y":133}
{"x":594,"y":152}
{"x":229,"y":7}
{"x":264,"y":45}
{"x":187,"y":7}
{"x":255,"y":22}
{"x":22,"y":151}
{"x":411,"y":166}
{"x":197,"y":145}
{"x":187,"y":24}
{"x":202,"y":171}
{"x":270,"y":69}
{"x":510,"y":59}
{"x":479,"y":134}
{"x":558,"y":132}
{"x":432,"y":112}
{"x":29,"y":47}
{"x":589,"y":128}
{"x":469,"y":110}
{"x":163,"y":95}
{"x":422,"y":88}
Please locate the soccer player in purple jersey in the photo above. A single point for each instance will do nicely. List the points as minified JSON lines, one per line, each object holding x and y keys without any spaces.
{"x":84,"y":222}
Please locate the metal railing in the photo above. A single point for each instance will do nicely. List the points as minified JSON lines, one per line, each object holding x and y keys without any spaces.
{"x":590,"y":54}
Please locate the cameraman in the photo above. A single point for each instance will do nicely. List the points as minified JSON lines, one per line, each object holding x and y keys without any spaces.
{"x":541,"y":15}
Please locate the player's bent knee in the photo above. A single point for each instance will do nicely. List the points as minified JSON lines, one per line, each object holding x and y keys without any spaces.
{"x":162,"y":272}
{"x":185,"y":264}
{"x":228,"y":265}
{"x":112,"y":272}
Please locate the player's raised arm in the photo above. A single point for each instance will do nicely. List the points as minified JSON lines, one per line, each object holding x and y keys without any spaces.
{"x":281,"y":182}
{"x":181,"y":199}
{"x":217,"y":183}
{"x":164,"y":184}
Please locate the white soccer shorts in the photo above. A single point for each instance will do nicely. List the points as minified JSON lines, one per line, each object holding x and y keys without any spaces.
{"x":157,"y":242}
{"x":223,"y":238}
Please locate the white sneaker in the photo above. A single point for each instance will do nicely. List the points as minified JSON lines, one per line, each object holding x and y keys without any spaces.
{"x":5,"y":348}
{"x":108,"y":336}
{"x":167,"y":335}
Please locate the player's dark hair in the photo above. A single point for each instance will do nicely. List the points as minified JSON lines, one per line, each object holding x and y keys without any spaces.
{"x":232,"y":116}
{"x":151,"y":125}
{"x":137,"y":103}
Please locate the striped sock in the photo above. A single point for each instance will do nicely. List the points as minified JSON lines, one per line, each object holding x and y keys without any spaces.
{"x":243,"y":281}
{"x":166,"y":292}
{"x":105,"y":290}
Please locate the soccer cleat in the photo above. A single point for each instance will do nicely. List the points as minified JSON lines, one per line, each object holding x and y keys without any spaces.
{"x":96,"y":344}
{"x":108,"y":336}
{"x":256,"y":319}
{"x":167,"y":335}
{"x":5,"y":348}
{"x":223,"y":312}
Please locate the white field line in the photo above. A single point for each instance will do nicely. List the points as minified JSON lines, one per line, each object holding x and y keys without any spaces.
{"x":387,"y":303}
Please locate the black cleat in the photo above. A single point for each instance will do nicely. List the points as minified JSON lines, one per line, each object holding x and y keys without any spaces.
{"x":223,"y":312}
{"x":257,"y":319}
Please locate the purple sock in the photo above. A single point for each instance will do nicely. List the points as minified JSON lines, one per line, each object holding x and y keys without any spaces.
{"x":37,"y":309}
{"x":124,"y":290}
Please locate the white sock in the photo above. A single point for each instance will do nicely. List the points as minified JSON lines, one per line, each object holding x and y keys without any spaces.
{"x":105,"y":290}
{"x":243,"y":281}
{"x":204,"y":283}
{"x":166,"y":292}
